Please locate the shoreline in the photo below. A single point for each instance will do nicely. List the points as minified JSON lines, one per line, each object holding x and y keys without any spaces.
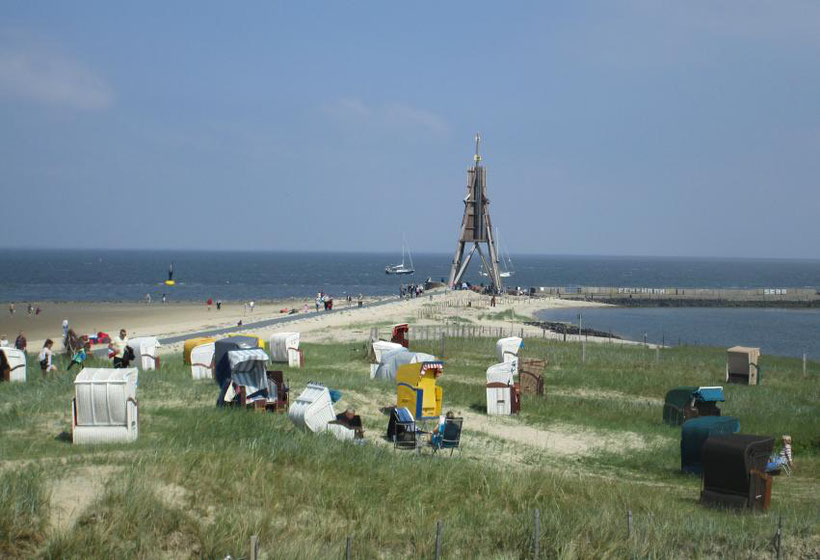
{"x":344,"y":323}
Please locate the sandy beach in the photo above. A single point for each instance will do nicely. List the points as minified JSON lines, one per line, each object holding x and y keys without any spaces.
{"x":345,"y":323}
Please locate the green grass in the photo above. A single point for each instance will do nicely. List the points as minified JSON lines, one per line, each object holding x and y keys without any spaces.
{"x":508,"y":315}
{"x":200,"y":481}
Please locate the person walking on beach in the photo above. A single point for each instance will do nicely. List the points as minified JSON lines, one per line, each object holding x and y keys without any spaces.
{"x":20,"y":342}
{"x":11,"y":308}
{"x":30,"y":309}
{"x":219,"y":305}
{"x":65,"y":328}
{"x":251,"y":304}
{"x":318,"y":301}
{"x":209,"y":303}
{"x":147,"y":299}
{"x":117,"y":347}
{"x":164,"y":299}
{"x":360,"y":300}
{"x":45,"y":358}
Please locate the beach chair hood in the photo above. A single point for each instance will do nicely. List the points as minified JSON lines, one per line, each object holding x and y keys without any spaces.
{"x":503,"y":372}
{"x":280,"y":344}
{"x":381,"y":347}
{"x":507,"y":348}
{"x":394,"y":359}
{"x":222,"y":365}
{"x":202,"y":361}
{"x":248,"y":370}
{"x":145,"y":351}
{"x":313,"y":409}
{"x":695,"y":432}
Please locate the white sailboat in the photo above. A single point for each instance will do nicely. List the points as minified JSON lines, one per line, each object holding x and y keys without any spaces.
{"x":506,"y":261}
{"x":402,"y":268}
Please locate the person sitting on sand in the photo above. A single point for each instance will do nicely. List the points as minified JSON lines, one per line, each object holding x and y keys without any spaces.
{"x":80,"y":356}
{"x":45,"y":358}
{"x":4,"y":342}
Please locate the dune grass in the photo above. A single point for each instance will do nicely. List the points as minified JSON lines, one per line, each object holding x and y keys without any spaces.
{"x":200,"y":481}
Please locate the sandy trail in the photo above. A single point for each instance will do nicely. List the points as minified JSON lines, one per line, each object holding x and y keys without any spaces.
{"x":72,"y":494}
{"x":559,"y":440}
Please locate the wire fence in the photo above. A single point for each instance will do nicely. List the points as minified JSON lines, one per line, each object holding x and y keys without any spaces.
{"x":531,"y":547}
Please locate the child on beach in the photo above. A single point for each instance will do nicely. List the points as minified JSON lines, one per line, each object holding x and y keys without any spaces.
{"x":45,"y":358}
{"x":80,"y":356}
{"x":783,"y":460}
{"x":4,"y":342}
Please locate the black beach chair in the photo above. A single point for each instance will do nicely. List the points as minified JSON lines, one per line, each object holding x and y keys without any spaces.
{"x":401,"y":429}
{"x":451,"y":438}
{"x":734,"y":471}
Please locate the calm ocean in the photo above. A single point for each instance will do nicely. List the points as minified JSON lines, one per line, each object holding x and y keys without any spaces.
{"x":89,"y":275}
{"x":782,"y":332}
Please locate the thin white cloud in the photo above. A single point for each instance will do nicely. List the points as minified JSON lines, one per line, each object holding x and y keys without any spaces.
{"x":389,"y":115}
{"x":34,"y":72}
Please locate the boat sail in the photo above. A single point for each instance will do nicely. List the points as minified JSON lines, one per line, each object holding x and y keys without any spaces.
{"x":402,"y":268}
{"x":506,"y":261}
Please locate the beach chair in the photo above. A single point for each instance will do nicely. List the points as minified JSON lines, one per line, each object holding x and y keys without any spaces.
{"x":346,"y":429}
{"x":13,"y":366}
{"x":684,"y":403}
{"x":451,"y":436}
{"x":313,"y":408}
{"x":742,"y":365}
{"x":401,"y":335}
{"x":532,"y":376}
{"x":401,"y":429}
{"x":105,"y":407}
{"x":734,"y":471}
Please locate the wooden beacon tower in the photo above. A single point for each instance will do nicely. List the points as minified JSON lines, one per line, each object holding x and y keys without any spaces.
{"x":476,"y":228}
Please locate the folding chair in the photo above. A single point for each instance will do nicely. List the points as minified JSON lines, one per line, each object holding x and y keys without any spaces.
{"x":451,"y":438}
{"x":402,"y":429}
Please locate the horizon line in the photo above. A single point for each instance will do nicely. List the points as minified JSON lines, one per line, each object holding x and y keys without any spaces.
{"x":386,"y":252}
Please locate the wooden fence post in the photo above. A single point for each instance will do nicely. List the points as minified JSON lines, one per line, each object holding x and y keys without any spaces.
{"x":778,"y":536}
{"x":536,"y":537}
{"x":349,"y":548}
{"x":254,"y":547}
{"x":438,"y":539}
{"x":804,"y":364}
{"x":629,"y":523}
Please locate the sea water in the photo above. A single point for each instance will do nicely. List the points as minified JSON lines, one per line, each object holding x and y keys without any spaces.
{"x":89,"y":275}
{"x":783,"y":332}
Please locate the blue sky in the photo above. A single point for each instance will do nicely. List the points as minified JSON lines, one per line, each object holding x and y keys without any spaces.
{"x":620,"y":128}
